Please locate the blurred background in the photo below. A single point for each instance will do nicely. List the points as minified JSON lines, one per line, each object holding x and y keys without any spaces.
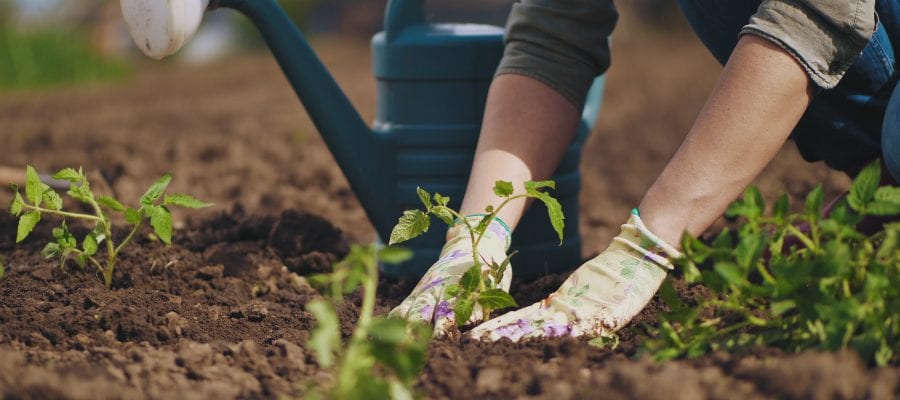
{"x":75,"y":91}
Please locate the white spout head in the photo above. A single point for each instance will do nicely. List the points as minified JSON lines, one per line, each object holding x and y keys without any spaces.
{"x":161,"y":27}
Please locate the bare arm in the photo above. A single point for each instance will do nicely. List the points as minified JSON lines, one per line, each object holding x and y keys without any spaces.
{"x":759,"y":99}
{"x":527,"y":128}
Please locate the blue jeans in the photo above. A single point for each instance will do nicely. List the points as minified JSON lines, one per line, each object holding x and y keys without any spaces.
{"x":848,"y":126}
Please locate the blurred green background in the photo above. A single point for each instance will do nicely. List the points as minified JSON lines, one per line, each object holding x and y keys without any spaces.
{"x":47,"y":43}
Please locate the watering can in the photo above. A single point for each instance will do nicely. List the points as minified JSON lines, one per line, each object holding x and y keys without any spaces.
{"x":432,"y":82}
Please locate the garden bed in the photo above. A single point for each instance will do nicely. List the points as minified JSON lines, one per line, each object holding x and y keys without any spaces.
{"x":220,"y":314}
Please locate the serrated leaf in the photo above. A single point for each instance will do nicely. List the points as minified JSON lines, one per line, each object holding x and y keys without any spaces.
{"x":814,"y":201}
{"x":325,"y":339}
{"x":51,"y":199}
{"x":183,"y":200}
{"x":33,"y":189}
{"x":440,"y":199}
{"x":443,"y":214}
{"x":469,"y":279}
{"x":17,"y":204}
{"x":27,"y":222}
{"x":410,"y":225}
{"x":89,"y":245}
{"x":81,"y":193}
{"x":425,"y":197}
{"x":161,"y":221}
{"x":68,"y":174}
{"x":781,"y":208}
{"x":451,"y":291}
{"x":81,"y":260}
{"x":863,"y":188}
{"x":463,"y":310}
{"x":890,"y":194}
{"x":156,"y":190}
{"x":503,"y":188}
{"x":883,"y":208}
{"x":51,"y":250}
{"x":554,"y":209}
{"x":111,"y":203}
{"x":496,"y":299}
{"x":394,"y":255}
{"x":133,"y":216}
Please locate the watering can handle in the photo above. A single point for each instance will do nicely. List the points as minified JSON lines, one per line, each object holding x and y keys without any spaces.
{"x":401,"y":14}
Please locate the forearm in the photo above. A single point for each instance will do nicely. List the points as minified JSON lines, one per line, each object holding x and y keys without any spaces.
{"x":526,"y":130}
{"x":758,"y":100}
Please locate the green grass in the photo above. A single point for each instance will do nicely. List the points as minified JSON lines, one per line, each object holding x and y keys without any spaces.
{"x":52,"y":58}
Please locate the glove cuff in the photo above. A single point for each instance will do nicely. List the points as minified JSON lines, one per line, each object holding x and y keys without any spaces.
{"x":496,"y":231}
{"x":637,"y":236}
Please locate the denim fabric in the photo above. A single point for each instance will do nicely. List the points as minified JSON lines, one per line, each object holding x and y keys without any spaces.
{"x":847,"y":126}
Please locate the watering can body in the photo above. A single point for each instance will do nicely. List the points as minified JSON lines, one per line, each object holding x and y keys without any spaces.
{"x":432,"y":82}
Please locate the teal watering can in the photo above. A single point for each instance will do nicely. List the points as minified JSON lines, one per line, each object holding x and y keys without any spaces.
{"x":432,"y":82}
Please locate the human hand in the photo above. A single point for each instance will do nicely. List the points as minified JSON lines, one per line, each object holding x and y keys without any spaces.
{"x":600,"y":297}
{"x":427,"y":302}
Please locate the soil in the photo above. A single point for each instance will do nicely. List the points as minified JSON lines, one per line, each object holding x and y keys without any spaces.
{"x":220,"y":314}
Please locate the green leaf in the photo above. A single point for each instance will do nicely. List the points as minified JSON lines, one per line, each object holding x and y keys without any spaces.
{"x":89,"y":244}
{"x":33,"y":189}
{"x":483,"y":224}
{"x":463,"y":310}
{"x":51,"y":198}
{"x":82,"y":260}
{"x":133,"y":216}
{"x":183,"y":200}
{"x":503,"y":188}
{"x":750,"y":205}
{"x":863,"y":188}
{"x":890,"y":194}
{"x":780,"y":307}
{"x":68,"y":174}
{"x":441,"y":200}
{"x":51,"y":250}
{"x":156,"y":190}
{"x":17,"y":204}
{"x":81,"y":193}
{"x":451,"y":291}
{"x":27,"y":222}
{"x":554,"y":209}
{"x":496,"y":299}
{"x":161,"y":221}
{"x":325,"y":339}
{"x":394,"y":255}
{"x":670,"y":296}
{"x":814,"y":201}
{"x":411,"y":224}
{"x":111,"y":203}
{"x":443,"y":213}
{"x":731,"y":273}
{"x":781,"y":208}
{"x":883,"y":208}
{"x":424,"y":197}
{"x":469,"y":280}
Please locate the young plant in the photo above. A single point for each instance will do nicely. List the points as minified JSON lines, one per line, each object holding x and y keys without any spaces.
{"x":41,"y":199}
{"x":384,"y":355}
{"x":477,"y":285}
{"x":776,"y":284}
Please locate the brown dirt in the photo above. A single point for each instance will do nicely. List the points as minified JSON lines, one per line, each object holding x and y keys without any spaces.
{"x":221,"y":315}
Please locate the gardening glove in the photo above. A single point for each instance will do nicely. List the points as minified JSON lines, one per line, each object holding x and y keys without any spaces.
{"x":600,"y":297}
{"x":427,"y":302}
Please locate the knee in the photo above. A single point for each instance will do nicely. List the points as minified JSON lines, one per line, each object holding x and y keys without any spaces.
{"x":890,"y":136}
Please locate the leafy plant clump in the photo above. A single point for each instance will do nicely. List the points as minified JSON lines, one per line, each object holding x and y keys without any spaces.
{"x":477,"y":285}
{"x":42,"y":199}
{"x":793,"y":281}
{"x":384,"y":355}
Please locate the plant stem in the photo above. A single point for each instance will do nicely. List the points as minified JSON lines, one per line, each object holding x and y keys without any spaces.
{"x":127,"y":238}
{"x":62,"y":213}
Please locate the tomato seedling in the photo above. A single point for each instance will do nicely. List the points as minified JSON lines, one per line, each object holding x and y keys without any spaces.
{"x":41,"y":199}
{"x":398,"y":348}
{"x":824,"y":286}
{"x":477,"y":285}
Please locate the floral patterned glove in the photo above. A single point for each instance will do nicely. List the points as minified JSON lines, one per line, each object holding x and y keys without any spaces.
{"x":600,"y":297}
{"x":427,"y":303}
